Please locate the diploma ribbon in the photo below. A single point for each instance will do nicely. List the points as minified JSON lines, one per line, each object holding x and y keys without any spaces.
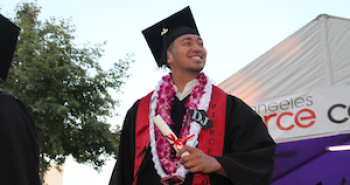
{"x":177,"y":142}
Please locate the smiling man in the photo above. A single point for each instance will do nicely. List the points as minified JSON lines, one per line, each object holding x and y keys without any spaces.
{"x":225,"y":141}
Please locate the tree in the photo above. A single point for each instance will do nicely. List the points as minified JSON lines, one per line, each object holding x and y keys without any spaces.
{"x":66,"y":90}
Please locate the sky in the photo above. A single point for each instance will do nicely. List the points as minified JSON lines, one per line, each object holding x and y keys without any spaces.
{"x":235,"y":32}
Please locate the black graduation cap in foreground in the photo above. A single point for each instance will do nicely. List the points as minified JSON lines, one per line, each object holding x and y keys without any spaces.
{"x":163,"y":33}
{"x":8,"y":38}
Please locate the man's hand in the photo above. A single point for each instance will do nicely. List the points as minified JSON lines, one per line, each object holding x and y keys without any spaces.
{"x":198,"y":161}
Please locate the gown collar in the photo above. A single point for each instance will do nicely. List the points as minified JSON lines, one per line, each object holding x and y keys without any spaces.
{"x":187,"y":90}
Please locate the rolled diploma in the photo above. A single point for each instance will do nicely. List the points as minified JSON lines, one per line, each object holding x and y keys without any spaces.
{"x":165,"y":130}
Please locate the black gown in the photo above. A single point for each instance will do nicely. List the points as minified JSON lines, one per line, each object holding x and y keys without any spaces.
{"x":248,"y":156}
{"x":19,"y":142}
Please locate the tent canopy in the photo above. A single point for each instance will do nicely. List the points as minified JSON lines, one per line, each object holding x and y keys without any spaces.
{"x":301,"y":89}
{"x":317,"y":55}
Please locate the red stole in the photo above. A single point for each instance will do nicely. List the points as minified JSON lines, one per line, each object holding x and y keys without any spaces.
{"x":210,"y":141}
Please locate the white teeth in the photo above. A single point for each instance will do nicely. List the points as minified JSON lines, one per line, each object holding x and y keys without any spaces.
{"x":196,"y":57}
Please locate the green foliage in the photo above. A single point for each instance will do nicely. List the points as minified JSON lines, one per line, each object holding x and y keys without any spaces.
{"x":66,"y":90}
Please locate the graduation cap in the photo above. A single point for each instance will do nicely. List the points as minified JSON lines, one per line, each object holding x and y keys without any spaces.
{"x":8,"y":38}
{"x":162,"y":34}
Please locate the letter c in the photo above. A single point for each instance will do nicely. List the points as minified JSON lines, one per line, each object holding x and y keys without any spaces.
{"x":279,"y":121}
{"x":330,"y":117}
{"x":211,"y":141}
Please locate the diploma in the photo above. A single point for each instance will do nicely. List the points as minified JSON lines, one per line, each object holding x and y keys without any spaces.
{"x":169,"y":134}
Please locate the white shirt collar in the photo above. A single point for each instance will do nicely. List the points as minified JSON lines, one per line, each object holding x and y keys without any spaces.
{"x":187,"y":90}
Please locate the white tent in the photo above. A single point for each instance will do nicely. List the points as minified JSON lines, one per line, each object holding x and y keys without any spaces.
{"x":313,"y":60}
{"x":301,"y":88}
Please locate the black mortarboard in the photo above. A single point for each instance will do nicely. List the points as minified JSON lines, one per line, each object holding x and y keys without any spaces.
{"x":163,"y":33}
{"x":8,"y":38}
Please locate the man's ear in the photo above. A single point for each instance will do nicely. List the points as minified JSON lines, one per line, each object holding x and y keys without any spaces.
{"x":170,"y":57}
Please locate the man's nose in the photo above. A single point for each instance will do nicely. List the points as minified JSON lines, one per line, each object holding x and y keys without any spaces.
{"x":197,"y":47}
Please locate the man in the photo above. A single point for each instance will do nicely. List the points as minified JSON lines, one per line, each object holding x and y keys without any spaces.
{"x":19,"y":142}
{"x":227,"y":143}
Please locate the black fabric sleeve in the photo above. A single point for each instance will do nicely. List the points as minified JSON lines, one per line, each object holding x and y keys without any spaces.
{"x":248,"y":150}
{"x":19,"y":143}
{"x":123,"y":170}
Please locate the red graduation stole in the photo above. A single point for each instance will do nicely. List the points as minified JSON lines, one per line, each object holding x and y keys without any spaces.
{"x":210,"y":141}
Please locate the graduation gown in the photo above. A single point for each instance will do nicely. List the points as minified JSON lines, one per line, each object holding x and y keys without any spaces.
{"x":248,"y":154}
{"x":19,"y":153}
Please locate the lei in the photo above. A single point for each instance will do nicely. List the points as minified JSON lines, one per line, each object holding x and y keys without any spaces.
{"x":161,"y":104}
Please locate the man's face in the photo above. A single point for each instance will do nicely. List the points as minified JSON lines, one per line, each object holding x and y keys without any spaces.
{"x":187,"y":54}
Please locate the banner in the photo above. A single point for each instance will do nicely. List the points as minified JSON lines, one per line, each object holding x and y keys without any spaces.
{"x":317,"y":113}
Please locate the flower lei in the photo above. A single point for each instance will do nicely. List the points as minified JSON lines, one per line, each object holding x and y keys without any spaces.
{"x":161,"y":104}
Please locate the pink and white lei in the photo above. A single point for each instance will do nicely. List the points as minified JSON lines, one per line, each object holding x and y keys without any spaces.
{"x":161,"y":104}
